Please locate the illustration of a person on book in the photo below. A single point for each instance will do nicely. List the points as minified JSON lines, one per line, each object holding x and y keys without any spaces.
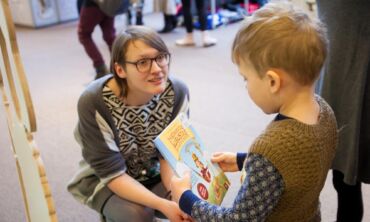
{"x":203,"y":169}
{"x":217,"y":188}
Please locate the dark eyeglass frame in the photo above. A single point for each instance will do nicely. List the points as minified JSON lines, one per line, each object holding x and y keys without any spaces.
{"x":168,"y":59}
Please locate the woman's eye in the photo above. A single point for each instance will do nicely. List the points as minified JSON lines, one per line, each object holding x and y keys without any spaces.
{"x":143,"y":62}
{"x":160,"y":57}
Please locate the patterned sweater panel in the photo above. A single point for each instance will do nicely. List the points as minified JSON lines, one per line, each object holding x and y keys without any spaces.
{"x":137,"y":128}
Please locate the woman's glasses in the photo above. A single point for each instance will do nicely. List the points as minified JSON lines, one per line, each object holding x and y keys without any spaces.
{"x":145,"y":65}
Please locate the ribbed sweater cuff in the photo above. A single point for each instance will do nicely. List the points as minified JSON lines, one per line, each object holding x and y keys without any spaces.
{"x":187,"y":201}
{"x":240,"y":157}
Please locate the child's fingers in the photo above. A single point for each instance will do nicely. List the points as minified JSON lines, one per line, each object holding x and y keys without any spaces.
{"x":186,"y":217}
{"x":174,"y":181}
{"x":187,"y":174}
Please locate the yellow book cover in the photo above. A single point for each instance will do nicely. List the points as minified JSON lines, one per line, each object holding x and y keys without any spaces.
{"x":181,"y":146}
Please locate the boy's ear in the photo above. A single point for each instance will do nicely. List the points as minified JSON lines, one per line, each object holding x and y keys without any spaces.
{"x":274,"y":80}
{"x":119,"y":70}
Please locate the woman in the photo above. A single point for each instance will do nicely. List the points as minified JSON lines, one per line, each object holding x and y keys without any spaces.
{"x":122,"y":176}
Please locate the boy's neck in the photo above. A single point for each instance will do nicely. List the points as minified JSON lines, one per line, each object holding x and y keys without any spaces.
{"x":301,"y":105}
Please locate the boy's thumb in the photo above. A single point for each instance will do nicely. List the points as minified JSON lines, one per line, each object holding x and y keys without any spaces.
{"x":187,"y":174}
{"x":217,"y":157}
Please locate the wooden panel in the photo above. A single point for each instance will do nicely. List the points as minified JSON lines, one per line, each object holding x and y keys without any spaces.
{"x":18,"y":80}
{"x":21,"y":120}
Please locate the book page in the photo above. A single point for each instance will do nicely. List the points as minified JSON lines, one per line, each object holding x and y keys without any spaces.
{"x":182,"y":147}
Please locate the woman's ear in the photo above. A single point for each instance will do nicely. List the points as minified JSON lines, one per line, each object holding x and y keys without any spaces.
{"x":274,"y":80}
{"x":119,"y":70}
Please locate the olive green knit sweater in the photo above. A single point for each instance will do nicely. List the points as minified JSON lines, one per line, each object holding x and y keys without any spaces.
{"x":303,"y":155}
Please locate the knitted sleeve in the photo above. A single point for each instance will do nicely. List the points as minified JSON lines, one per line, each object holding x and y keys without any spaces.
{"x":257,"y":197}
{"x":240,"y":157}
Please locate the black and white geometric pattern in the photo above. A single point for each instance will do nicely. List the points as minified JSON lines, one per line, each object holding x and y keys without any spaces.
{"x":258,"y":195}
{"x":137,"y":127}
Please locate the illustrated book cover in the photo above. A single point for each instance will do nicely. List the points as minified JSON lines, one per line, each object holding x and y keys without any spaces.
{"x":182,"y":147}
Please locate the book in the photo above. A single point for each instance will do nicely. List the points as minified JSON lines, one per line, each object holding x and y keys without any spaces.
{"x":182,"y":147}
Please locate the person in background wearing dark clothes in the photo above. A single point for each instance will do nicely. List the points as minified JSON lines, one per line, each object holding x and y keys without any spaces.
{"x":91,"y":16}
{"x":260,"y":2}
{"x":169,"y":10}
{"x":188,"y":40}
{"x":346,"y":87}
{"x":136,"y":8}
{"x":79,"y":5}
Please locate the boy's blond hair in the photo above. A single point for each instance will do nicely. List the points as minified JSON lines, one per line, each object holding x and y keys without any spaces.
{"x":282,"y":37}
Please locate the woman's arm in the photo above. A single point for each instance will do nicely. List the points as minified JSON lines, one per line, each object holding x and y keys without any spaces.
{"x":166,"y":173}
{"x":128,"y":188}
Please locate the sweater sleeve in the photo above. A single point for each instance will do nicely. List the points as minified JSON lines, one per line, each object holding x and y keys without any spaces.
{"x":240,"y":157}
{"x":256,"y":199}
{"x":99,"y":148}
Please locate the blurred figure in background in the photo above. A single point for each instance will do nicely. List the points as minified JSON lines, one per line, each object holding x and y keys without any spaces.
{"x":188,"y":40}
{"x":346,"y":87}
{"x":136,"y":9}
{"x":168,"y":7}
{"x":91,"y":15}
{"x":79,"y":5}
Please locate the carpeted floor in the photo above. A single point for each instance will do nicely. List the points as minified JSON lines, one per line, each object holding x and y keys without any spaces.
{"x":58,"y":70}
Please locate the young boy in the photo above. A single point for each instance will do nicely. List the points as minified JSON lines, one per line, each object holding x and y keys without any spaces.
{"x":279,"y":52}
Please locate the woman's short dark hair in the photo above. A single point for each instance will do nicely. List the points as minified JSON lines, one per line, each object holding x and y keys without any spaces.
{"x":120,"y":45}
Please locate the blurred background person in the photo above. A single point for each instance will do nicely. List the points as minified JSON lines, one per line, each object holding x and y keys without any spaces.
{"x":346,"y":87}
{"x":169,"y":10}
{"x":91,"y":15}
{"x":135,"y":9}
{"x":188,"y":40}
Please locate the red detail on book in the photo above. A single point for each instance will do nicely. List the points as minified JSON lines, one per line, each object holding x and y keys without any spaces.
{"x":202,"y":190}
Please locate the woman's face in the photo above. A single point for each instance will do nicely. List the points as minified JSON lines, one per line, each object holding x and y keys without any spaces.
{"x":145,"y":75}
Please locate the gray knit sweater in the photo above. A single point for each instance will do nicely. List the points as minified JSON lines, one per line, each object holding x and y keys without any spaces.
{"x":112,"y":144}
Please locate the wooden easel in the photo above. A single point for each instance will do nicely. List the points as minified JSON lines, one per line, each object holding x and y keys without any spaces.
{"x":21,"y":121}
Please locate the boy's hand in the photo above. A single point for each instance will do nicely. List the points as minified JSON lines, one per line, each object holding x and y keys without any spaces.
{"x":174,"y":214}
{"x":226,"y":161}
{"x":180,"y":185}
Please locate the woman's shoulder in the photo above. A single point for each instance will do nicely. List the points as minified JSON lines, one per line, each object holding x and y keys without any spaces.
{"x":93,"y":91}
{"x":179,"y":86}
{"x":96,"y":85}
{"x":176,"y":82}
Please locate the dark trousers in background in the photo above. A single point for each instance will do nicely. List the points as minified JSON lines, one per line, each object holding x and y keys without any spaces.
{"x":90,"y":17}
{"x":188,"y":18}
{"x":350,"y":205}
